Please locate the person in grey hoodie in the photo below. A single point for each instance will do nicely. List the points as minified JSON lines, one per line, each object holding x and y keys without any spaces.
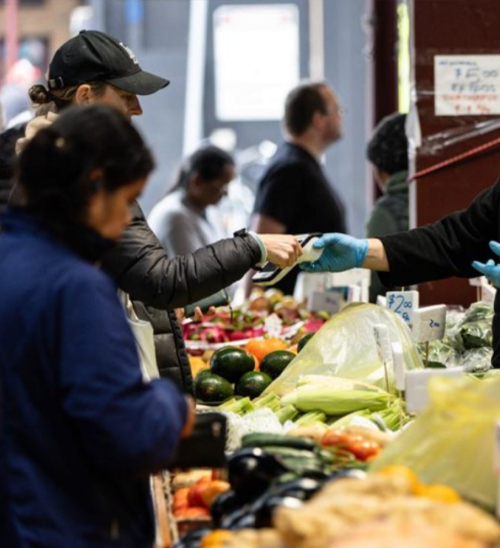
{"x":387,"y":151}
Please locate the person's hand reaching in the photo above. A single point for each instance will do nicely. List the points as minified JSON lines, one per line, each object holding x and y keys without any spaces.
{"x":490,"y":269}
{"x":282,"y":249}
{"x":340,"y":252}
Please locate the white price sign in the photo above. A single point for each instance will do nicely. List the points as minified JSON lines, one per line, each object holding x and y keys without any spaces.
{"x":429,"y":323}
{"x":329,"y":301}
{"x":404,"y":304}
{"x":466,"y":85}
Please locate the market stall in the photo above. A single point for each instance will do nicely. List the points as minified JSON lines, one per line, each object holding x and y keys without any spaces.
{"x":321,"y":449}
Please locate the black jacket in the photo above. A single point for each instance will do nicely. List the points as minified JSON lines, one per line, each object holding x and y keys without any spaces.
{"x":447,"y":248}
{"x":157,"y":284}
{"x":8,"y":140}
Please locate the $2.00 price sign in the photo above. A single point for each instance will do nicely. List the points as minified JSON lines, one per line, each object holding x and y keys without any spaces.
{"x":404,"y":304}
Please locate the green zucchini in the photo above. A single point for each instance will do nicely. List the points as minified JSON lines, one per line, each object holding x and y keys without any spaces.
{"x":264,"y":440}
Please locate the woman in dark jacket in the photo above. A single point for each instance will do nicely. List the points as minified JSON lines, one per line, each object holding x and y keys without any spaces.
{"x":94,"y":67}
{"x":460,"y":244}
{"x":80,"y":430}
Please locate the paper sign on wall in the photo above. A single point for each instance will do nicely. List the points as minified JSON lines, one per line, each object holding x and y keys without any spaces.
{"x":256,"y":49}
{"x":466,"y":85}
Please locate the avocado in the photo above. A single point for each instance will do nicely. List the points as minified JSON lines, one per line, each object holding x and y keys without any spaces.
{"x":275,"y":362}
{"x":210,"y":388}
{"x":231,"y":363}
{"x":305,"y":339}
{"x":252,"y":384}
{"x":204,"y":372}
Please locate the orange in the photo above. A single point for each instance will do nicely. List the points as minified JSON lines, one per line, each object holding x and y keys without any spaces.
{"x":439,"y":493}
{"x":216,"y":538}
{"x":197,"y":364}
{"x":212,"y":490}
{"x":400,"y":470}
{"x":260,"y":348}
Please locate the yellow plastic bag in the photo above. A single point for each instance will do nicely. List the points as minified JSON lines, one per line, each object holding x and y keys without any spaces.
{"x":345,"y":346}
{"x":452,"y":441}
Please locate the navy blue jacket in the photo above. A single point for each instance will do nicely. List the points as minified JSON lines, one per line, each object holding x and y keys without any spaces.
{"x":80,"y":430}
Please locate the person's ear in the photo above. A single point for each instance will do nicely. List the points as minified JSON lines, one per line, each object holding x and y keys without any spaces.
{"x":195,"y":182}
{"x":318,"y":120}
{"x":83,"y":95}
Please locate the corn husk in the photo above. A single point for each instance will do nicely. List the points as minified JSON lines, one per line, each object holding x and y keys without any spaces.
{"x":335,"y":402}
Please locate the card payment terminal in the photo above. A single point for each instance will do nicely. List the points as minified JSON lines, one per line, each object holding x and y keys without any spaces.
{"x":271,"y":274}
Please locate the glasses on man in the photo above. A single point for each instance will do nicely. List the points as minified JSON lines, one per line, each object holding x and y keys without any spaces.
{"x":336,"y":110}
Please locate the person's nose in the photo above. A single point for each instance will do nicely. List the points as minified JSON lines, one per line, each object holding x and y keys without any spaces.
{"x":135,"y":108}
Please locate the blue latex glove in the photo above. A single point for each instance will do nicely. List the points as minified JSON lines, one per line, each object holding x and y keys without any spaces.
{"x":341,"y":252}
{"x":490,"y":269}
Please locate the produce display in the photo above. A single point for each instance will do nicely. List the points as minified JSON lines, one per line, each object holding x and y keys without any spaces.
{"x":321,"y":450}
{"x":288,"y":317}
{"x":467,"y":341}
{"x":231,"y":370}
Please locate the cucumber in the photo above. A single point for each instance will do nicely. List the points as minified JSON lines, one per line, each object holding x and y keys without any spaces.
{"x":276,"y":440}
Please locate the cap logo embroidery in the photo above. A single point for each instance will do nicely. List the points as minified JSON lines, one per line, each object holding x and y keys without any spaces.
{"x":131,"y":54}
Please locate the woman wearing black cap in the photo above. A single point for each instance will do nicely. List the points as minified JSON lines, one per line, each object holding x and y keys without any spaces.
{"x":94,"y":67}
{"x":81,"y":431}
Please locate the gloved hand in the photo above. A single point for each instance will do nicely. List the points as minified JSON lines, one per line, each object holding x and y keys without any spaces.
{"x":490,"y":269}
{"x":341,"y":252}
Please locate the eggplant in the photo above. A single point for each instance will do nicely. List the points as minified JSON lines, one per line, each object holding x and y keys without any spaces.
{"x":224,"y":505}
{"x":302,"y":488}
{"x":246,"y":521}
{"x":192,"y":539}
{"x":355,"y":473}
{"x":251,"y":471}
{"x":263,"y":517}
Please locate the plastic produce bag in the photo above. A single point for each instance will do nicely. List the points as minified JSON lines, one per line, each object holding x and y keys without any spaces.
{"x":345,"y":346}
{"x":452,"y":441}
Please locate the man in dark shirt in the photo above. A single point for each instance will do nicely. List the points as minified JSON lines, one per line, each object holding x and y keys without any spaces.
{"x":294,"y":195}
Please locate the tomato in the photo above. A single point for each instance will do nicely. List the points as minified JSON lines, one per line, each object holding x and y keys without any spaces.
{"x":181,"y":499}
{"x":195,"y":492}
{"x":335,"y":437}
{"x":363,"y":450}
{"x":193,"y":512}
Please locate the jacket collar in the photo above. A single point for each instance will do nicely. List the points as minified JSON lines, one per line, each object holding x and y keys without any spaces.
{"x":398,"y":183}
{"x":82,"y":240}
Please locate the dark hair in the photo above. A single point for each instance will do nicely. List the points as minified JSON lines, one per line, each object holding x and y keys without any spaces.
{"x":208,"y":162}
{"x":301,"y":104}
{"x":388,"y":147}
{"x":59,"y":99}
{"x":55,"y":166}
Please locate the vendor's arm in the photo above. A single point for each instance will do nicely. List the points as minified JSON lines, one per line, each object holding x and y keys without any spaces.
{"x":446,"y":248}
{"x":122,"y":423}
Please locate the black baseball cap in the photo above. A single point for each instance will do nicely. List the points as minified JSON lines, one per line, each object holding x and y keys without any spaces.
{"x":94,"y":56}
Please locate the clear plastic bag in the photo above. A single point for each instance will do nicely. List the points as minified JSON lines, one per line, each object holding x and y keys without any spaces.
{"x":452,"y":442}
{"x":345,"y":346}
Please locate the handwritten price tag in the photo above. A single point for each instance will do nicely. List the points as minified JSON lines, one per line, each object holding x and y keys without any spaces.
{"x":466,"y":85}
{"x":429,"y":323}
{"x":404,"y":304}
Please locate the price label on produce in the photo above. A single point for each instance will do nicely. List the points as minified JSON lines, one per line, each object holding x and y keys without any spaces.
{"x":404,"y":304}
{"x":429,"y":323}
